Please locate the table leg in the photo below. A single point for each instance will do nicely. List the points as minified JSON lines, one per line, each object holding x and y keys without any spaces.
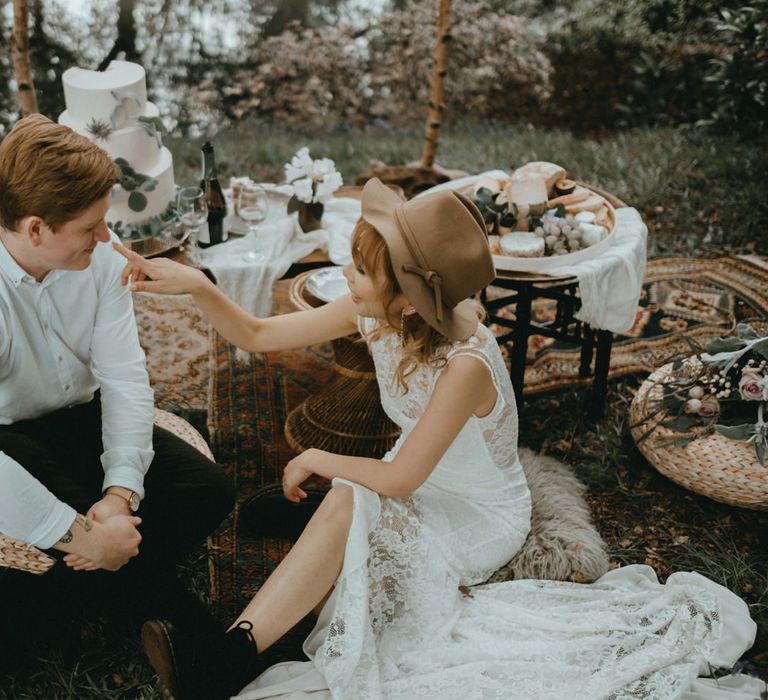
{"x":587,"y":349}
{"x":602,"y":364}
{"x":520,"y":343}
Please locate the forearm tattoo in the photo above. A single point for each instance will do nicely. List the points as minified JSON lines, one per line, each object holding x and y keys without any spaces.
{"x":83,"y":522}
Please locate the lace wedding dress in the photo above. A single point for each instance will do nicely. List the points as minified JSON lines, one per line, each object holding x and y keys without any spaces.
{"x":401,"y":622}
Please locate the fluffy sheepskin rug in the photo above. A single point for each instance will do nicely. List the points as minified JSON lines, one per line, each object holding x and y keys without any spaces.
{"x":563,"y":544}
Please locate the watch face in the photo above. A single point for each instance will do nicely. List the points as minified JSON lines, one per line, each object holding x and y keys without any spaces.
{"x":134,"y":502}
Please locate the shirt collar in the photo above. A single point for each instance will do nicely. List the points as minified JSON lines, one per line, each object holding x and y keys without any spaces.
{"x":11,"y":269}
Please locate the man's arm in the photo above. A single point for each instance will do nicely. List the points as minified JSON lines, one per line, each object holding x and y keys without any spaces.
{"x":28,"y":510}
{"x":31,"y":513}
{"x":119,"y":365}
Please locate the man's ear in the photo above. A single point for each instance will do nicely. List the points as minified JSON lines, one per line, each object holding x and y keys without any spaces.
{"x":31,"y":227}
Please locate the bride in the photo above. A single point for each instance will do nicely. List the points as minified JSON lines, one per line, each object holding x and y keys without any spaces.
{"x":394,"y":556}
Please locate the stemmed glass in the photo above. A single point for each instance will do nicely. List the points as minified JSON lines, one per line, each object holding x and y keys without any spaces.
{"x":252,"y":206}
{"x":192,"y":210}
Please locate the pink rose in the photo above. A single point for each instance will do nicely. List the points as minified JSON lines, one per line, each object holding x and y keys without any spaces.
{"x":710,"y":406}
{"x":751,"y":386}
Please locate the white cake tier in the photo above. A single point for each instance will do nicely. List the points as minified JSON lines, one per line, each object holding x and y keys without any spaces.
{"x":88,"y":93}
{"x":157,"y":200}
{"x":133,"y":143}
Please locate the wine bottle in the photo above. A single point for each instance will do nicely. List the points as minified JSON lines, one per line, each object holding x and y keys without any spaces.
{"x":214,"y":232}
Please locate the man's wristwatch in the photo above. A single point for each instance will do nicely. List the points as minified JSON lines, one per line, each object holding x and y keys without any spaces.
{"x":133,"y":498}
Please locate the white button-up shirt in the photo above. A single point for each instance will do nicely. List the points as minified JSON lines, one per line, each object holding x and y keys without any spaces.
{"x":60,"y":340}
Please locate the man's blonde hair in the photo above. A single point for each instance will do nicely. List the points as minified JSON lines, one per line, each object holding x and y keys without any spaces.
{"x":50,"y":171}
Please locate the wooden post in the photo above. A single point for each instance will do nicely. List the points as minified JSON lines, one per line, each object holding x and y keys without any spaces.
{"x":437,"y":85}
{"x":20,"y":58}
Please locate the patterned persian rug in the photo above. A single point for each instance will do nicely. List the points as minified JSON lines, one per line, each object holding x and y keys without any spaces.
{"x":174,"y":337}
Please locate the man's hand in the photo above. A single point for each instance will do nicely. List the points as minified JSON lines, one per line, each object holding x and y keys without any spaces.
{"x":107,"y":545}
{"x":111,"y":504}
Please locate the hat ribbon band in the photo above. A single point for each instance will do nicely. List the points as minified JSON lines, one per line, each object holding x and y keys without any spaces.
{"x":434,"y":281}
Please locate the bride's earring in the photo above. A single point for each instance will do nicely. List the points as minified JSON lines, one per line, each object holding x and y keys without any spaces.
{"x":407,"y":311}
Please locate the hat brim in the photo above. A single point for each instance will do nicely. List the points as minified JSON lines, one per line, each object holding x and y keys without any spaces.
{"x":379,"y":207}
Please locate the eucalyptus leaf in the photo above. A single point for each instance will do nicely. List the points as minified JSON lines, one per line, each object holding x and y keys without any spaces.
{"x":682,"y":423}
{"x":760,"y":451}
{"x":746,"y":332}
{"x":736,"y":432}
{"x":560,"y":211}
{"x":678,"y":441}
{"x":724,"y":345}
{"x":483,"y":196}
{"x":137,"y":202}
{"x":761,"y":348}
{"x":508,"y":220}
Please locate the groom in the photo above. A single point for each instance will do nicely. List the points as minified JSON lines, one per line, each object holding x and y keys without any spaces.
{"x":83,"y":473}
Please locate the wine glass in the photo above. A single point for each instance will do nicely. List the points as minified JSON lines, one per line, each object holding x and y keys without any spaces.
{"x":252,"y":206}
{"x":192,"y":210}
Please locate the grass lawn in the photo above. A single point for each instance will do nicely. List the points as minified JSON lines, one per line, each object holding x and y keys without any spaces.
{"x":700,"y":194}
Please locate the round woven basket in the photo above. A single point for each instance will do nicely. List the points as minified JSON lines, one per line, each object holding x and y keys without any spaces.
{"x":713,"y":466}
{"x":344,"y":416}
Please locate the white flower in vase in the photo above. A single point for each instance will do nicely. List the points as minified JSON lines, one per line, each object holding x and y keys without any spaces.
{"x":325,"y":188}
{"x":302,"y":189}
{"x":313,"y":182}
{"x":300,"y":166}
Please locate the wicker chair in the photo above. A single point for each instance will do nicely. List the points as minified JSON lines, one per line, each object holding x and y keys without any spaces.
{"x":20,"y":555}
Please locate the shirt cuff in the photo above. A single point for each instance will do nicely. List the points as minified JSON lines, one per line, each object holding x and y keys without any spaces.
{"x":127,"y":477}
{"x":53,"y":528}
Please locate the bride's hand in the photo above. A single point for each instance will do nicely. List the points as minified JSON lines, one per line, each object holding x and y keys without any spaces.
{"x":294,"y":475}
{"x":160,"y":275}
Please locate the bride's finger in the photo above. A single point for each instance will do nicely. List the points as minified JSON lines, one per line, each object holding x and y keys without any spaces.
{"x":129,"y":255}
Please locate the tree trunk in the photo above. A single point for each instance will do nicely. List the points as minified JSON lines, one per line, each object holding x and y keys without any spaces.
{"x":437,"y":84}
{"x":126,"y":35}
{"x":20,"y":58}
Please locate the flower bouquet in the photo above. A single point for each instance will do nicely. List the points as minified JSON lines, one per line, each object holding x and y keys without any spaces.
{"x":313,"y":182}
{"x":723,"y":388}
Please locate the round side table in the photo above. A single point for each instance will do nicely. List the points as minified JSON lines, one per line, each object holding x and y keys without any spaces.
{"x":344,"y":416}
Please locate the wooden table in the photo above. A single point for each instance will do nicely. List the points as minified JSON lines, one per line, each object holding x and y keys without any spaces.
{"x":595,"y":344}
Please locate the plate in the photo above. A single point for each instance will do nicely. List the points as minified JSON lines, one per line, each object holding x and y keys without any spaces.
{"x":328,"y":284}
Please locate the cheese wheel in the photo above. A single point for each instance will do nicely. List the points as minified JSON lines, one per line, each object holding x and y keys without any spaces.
{"x":522,"y":245}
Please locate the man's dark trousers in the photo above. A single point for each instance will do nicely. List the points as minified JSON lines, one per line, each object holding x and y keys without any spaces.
{"x":187,"y":497}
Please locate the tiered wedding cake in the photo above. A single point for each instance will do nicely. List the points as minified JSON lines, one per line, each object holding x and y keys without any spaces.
{"x":111,"y":108}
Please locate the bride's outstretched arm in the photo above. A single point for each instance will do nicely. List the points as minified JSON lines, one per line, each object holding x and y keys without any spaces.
{"x":284,"y":332}
{"x":464,"y":388}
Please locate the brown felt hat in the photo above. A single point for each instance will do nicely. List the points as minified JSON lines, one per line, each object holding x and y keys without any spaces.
{"x":439,"y":253}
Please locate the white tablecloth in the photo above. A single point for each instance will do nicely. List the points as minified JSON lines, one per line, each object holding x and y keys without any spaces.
{"x":282,"y":242}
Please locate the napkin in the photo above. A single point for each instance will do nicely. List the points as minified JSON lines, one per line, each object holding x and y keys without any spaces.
{"x":610,"y":284}
{"x":249,"y":284}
